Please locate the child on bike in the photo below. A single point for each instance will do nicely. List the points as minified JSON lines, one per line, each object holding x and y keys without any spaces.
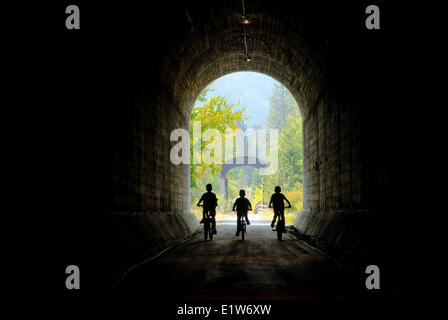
{"x":242,"y":205}
{"x":210,"y":202}
{"x":279,"y":206}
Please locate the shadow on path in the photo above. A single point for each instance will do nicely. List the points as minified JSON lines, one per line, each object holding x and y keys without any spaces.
{"x":261,"y":267}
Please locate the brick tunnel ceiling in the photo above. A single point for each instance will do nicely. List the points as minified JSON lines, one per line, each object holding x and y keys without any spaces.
{"x":209,"y":43}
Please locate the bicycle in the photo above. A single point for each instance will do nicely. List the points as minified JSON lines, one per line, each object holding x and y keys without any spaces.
{"x":242,"y":226}
{"x":208,"y":225}
{"x":280,"y":227}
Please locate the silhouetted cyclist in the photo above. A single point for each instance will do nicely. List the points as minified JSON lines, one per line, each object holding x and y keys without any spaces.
{"x":209,"y":205}
{"x":242,"y":205}
{"x":279,"y":206}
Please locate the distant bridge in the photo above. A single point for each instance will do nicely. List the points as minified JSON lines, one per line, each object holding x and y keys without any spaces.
{"x":234,"y":163}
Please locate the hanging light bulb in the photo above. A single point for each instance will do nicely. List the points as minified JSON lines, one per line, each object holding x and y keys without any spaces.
{"x":245,"y":20}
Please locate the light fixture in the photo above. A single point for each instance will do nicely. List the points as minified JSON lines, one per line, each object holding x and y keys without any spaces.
{"x":245,"y":20}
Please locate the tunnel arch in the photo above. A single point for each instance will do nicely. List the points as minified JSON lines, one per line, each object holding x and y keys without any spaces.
{"x":211,"y":64}
{"x":294,"y":62}
{"x":288,"y":46}
{"x":145,"y":78}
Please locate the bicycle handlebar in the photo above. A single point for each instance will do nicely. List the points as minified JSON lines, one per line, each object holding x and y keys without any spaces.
{"x":284,"y":208}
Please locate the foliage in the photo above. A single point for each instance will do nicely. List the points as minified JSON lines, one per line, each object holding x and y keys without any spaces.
{"x":213,"y":113}
{"x":290,"y":152}
{"x":257,"y":196}
{"x":282,"y":104}
{"x":284,"y":115}
{"x":296,"y":197}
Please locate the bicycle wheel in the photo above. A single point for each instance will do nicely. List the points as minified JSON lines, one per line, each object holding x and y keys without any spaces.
{"x":210,"y":231}
{"x":280,"y":228}
{"x":206,"y":227}
{"x":243,"y":230}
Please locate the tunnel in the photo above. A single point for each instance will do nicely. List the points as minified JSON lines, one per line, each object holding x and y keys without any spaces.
{"x":132,"y":76}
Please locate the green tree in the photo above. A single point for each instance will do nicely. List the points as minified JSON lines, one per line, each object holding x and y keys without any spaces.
{"x":282,"y":104}
{"x":284,"y":115}
{"x":290,"y":152}
{"x":216,"y":113}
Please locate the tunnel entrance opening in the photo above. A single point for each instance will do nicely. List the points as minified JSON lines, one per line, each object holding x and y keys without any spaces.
{"x":250,"y":129}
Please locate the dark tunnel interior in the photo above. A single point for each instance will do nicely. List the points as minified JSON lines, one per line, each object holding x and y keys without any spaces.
{"x":135,"y":76}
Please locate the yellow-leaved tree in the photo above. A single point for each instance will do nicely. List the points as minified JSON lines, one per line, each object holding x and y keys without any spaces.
{"x":213,"y":113}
